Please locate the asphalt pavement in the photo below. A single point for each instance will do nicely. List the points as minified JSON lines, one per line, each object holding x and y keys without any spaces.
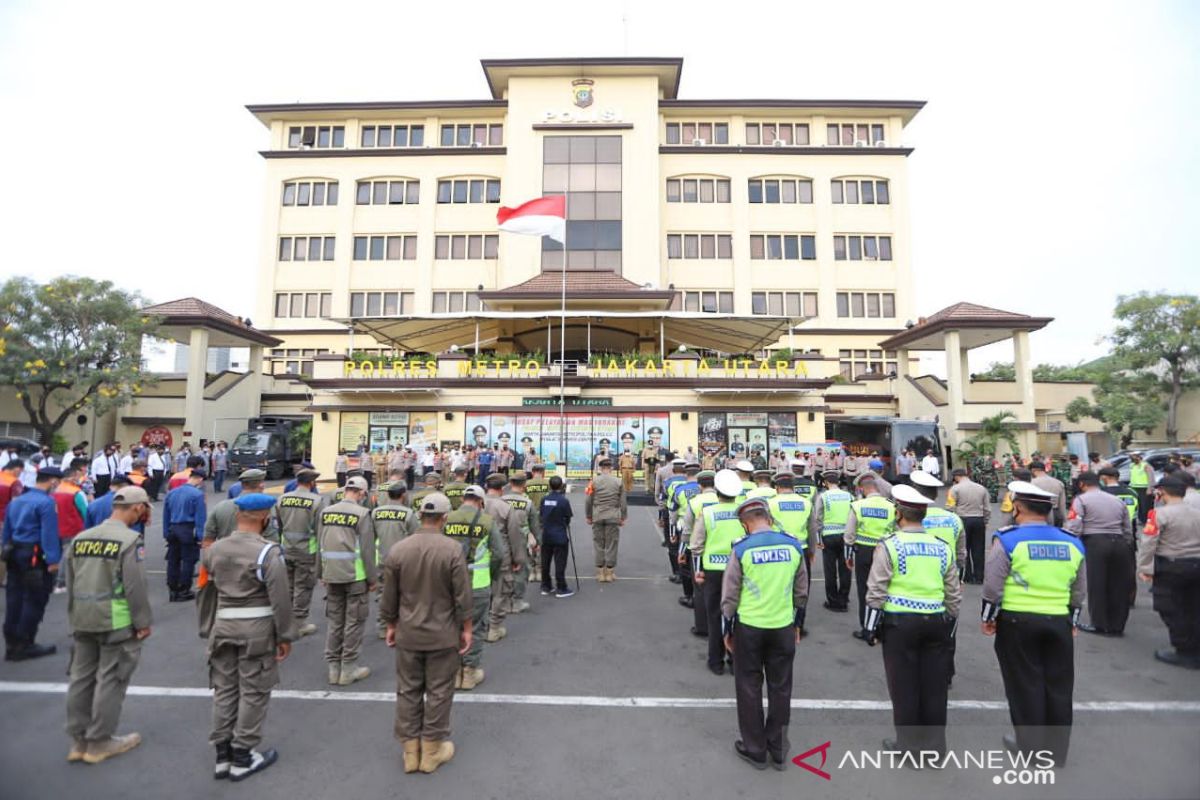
{"x":605,"y":695}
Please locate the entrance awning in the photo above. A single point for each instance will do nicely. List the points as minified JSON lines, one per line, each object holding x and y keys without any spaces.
{"x":436,"y":333}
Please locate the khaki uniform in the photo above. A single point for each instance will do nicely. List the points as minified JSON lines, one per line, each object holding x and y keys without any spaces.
{"x":221,"y":521}
{"x":649,"y":466}
{"x":606,"y":509}
{"x":522,"y":509}
{"x":1048,"y":483}
{"x":296,"y":517}
{"x":106,"y":603}
{"x":427,"y":596}
{"x":346,"y":566}
{"x":254,"y":614}
{"x":392,"y":522}
{"x":503,"y":579}
{"x":454,"y":493}
{"x":471,"y":527}
{"x":626,"y":463}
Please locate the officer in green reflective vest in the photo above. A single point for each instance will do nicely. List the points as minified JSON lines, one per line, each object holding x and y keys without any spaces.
{"x":454,"y":489}
{"x":480,"y":538}
{"x":347,"y":570}
{"x":763,"y":598}
{"x":831,"y":510}
{"x":392,"y":520}
{"x":791,"y":513}
{"x":745,"y":472}
{"x":693,"y":596}
{"x":913,"y":597}
{"x":1033,"y":590}
{"x":712,"y":542}
{"x":296,"y":520}
{"x":1141,"y":475}
{"x":109,"y":612}
{"x":947,"y":526}
{"x":762,"y":485}
{"x":872,"y":518}
{"x":1110,"y":483}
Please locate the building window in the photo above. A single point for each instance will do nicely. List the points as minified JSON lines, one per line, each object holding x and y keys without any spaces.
{"x":307,"y":137}
{"x":393,"y":136}
{"x":291,"y":362}
{"x":699,"y":245}
{"x":405,"y":191}
{"x":310,"y":193}
{"x":867,"y":191}
{"x":469,"y":190}
{"x":385,"y":247}
{"x":472,"y":134}
{"x":862,"y":248}
{"x":380,"y":304}
{"x":780,"y":190}
{"x":459,"y":246}
{"x":854,"y":364}
{"x":777,"y":133}
{"x":697,"y":133}
{"x":854,"y":134}
{"x":711,"y":302}
{"x":698,"y":190}
{"x":792,"y":304}
{"x":454,"y":302}
{"x":866,"y":304}
{"x":783,"y":246}
{"x":306,"y":248}
{"x":303,"y":304}
{"x":587,"y":169}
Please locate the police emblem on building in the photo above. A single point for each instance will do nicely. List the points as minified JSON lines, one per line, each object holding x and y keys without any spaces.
{"x":582,"y":88}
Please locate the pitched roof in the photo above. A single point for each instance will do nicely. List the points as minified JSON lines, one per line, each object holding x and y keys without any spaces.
{"x":579,"y":284}
{"x":192,"y":312}
{"x":973,"y":312}
{"x":191,"y":307}
{"x":989,"y":324}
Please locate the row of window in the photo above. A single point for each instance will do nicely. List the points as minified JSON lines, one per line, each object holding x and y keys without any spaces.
{"x":306,"y":248}
{"x":408,"y":192}
{"x":699,"y":245}
{"x":292,"y":361}
{"x":468,"y":134}
{"x":848,"y":134}
{"x":777,"y":190}
{"x":303,"y":304}
{"x":854,"y":364}
{"x":385,"y":248}
{"x":455,"y":302}
{"x":380,"y":304}
{"x":862,"y":248}
{"x":779,"y":246}
{"x":310,"y":193}
{"x":793,"y":304}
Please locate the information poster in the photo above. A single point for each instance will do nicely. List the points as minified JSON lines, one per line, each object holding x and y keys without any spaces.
{"x":738,"y":419}
{"x":551,"y":443}
{"x":422,"y":430}
{"x":579,"y":445}
{"x":757,"y":440}
{"x":658,"y":430}
{"x":604,"y":436}
{"x":398,"y":436}
{"x":632,"y":435}
{"x":529,"y":433}
{"x":781,"y":431}
{"x":389,"y":417}
{"x":355,"y":429}
{"x":479,"y":430}
{"x":379,"y":439}
{"x":713,"y":434}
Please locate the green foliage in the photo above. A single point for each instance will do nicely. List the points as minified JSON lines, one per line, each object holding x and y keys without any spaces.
{"x":997,"y":371}
{"x":1125,"y":402}
{"x":300,"y":438}
{"x":1005,"y":371}
{"x":59,"y":444}
{"x":69,"y":344}
{"x":1159,"y":336}
{"x":992,"y":431}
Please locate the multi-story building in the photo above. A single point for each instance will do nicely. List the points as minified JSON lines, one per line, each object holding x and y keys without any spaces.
{"x":724,"y":227}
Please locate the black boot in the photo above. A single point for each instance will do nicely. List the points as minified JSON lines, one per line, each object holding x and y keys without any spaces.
{"x":224,"y":760}
{"x":247,"y":762}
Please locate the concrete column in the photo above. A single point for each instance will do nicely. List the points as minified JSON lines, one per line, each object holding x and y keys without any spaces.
{"x":902,"y":367}
{"x":1024,"y":370}
{"x":954,"y":380}
{"x":256,"y":374}
{"x":193,"y":404}
{"x":965,"y":371}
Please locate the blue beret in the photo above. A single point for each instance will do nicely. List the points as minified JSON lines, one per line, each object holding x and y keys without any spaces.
{"x":254,"y":502}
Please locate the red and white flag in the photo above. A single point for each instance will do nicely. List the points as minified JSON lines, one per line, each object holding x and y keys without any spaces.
{"x":545,"y":216}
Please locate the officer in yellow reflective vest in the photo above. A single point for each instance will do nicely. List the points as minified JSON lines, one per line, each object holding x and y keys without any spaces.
{"x":455,"y":488}
{"x":693,"y":594}
{"x":712,"y":542}
{"x":872,"y":517}
{"x":347,"y":570}
{"x":296,"y":519}
{"x":763,"y":599}
{"x":831,"y":510}
{"x":762,"y":485}
{"x":947,"y":526}
{"x":1141,"y":475}
{"x":1033,"y":591}
{"x":791,"y":513}
{"x":392,"y":520}
{"x":481,"y":541}
{"x":913,"y":597}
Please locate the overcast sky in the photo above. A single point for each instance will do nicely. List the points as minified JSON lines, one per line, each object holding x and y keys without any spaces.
{"x":1056,"y":166}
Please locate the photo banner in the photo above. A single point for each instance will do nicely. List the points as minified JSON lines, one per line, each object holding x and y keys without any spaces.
{"x":604,"y":433}
{"x":551,"y":445}
{"x":713,"y":433}
{"x":781,"y":429}
{"x":503,"y":430}
{"x":479,"y":429}
{"x":658,"y":430}
{"x":529,"y":433}
{"x":422,"y":429}
{"x":631,"y":433}
{"x":579,"y":445}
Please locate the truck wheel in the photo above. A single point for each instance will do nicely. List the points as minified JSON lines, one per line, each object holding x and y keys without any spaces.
{"x":274,"y":472}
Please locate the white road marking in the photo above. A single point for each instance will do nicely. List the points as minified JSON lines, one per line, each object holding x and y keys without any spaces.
{"x":593,"y":701}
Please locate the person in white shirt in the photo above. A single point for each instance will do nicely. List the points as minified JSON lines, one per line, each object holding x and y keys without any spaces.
{"x":125,"y":465}
{"x":930,"y":464}
{"x":30,"y":470}
{"x":157,"y":468}
{"x":101,"y":470}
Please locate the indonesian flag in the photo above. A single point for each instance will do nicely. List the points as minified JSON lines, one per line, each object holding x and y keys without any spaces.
{"x":545,"y":216}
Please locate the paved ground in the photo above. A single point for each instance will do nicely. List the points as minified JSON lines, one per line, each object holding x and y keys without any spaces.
{"x":602,"y":695}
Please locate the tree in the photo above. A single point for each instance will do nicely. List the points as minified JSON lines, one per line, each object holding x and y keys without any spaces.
{"x":1160,"y":335}
{"x":997,"y":371}
{"x":1124,"y":401}
{"x":1005,"y":371}
{"x":69,"y":344}
{"x":300,"y":439}
{"x":992,"y":431}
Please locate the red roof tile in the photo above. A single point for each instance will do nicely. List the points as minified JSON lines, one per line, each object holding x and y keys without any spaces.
{"x":191,"y":307}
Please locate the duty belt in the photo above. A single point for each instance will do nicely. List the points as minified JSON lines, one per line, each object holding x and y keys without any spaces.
{"x":249,"y":612}
{"x":296,"y":536}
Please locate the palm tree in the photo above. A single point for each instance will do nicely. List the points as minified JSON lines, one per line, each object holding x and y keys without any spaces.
{"x":992,"y":431}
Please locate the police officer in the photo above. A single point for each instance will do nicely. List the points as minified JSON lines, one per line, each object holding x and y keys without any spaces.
{"x":392,"y":520}
{"x":432,"y":483}
{"x":972,"y":503}
{"x":347,"y":570}
{"x":455,"y":488}
{"x":675,"y":470}
{"x":913,"y":596}
{"x":250,"y":636}
{"x":627,"y":462}
{"x":804,"y":486}
{"x":1110,"y":484}
{"x":222,"y":520}
{"x":712,"y":541}
{"x":109,"y":612}
{"x":536,"y":488}
{"x":522,"y":511}
{"x":184,"y":520}
{"x":791,"y":513}
{"x":950,"y":528}
{"x":872,"y":517}
{"x":828,"y":522}
{"x":679,"y":495}
{"x":1102,"y":522}
{"x":693,"y":597}
{"x":1169,"y":558}
{"x":296,"y":519}
{"x":1141,"y":475}
{"x":32,"y":552}
{"x":483,"y":546}
{"x":761,"y":629}
{"x":606,"y":511}
{"x":745,"y":472}
{"x":762,"y":485}
{"x":513,"y":559}
{"x":1033,"y":588}
{"x":1048,"y":483}
{"x":427,"y":605}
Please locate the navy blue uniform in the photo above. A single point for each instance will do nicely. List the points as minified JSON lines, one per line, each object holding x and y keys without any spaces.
{"x":31,"y":532}
{"x":184,"y":514}
{"x":102,"y":508}
{"x":556,"y":516}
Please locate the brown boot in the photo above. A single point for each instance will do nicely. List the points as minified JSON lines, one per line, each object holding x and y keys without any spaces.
{"x":612,"y":575}
{"x":77,"y":751}
{"x":412,"y":755}
{"x":112,"y":746}
{"x":351,"y":673}
{"x":601,"y":575}
{"x":434,"y":754}
{"x":471,"y":677}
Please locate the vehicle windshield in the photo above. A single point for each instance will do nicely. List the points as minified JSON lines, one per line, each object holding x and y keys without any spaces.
{"x":252,"y":440}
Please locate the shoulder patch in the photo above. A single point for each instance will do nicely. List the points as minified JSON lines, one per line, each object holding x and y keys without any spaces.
{"x":140,"y":554}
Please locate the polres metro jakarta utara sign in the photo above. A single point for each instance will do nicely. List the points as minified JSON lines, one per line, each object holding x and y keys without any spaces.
{"x":612,"y":368}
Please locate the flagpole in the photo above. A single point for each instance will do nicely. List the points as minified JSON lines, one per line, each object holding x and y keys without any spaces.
{"x":562,"y":350}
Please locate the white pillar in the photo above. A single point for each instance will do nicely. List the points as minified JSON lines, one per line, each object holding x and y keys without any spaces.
{"x":1024,"y":369}
{"x":965,"y":371}
{"x":954,"y":382}
{"x":256,"y":375}
{"x":193,"y":404}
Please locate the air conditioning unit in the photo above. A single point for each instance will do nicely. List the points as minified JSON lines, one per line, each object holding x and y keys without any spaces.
{"x":881,"y":143}
{"x":860,"y":143}
{"x":698,"y":142}
{"x":778,"y":143}
{"x":475,"y":145}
